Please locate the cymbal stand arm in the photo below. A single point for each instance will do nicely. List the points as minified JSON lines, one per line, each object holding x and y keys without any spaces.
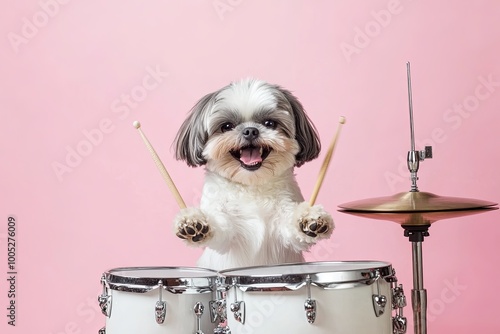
{"x":414,"y":156}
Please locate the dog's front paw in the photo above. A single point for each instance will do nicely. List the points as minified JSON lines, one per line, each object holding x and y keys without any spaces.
{"x":313,"y":227}
{"x":193,"y":230}
{"x":314,"y":222}
{"x":191,"y":225}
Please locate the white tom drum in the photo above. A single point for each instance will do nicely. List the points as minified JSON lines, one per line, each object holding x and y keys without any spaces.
{"x":157,"y":300}
{"x":317,"y":298}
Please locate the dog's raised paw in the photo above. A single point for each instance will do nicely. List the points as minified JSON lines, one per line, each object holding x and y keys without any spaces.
{"x":314,"y":227}
{"x":313,"y":223}
{"x":191,"y":225}
{"x":193,"y":230}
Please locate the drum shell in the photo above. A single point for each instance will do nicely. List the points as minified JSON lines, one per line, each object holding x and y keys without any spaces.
{"x":133,"y":313}
{"x":134,"y":292}
{"x":341,"y":308}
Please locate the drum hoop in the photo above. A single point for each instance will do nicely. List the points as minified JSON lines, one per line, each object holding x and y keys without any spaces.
{"x":347,"y":278}
{"x":175,"y":285}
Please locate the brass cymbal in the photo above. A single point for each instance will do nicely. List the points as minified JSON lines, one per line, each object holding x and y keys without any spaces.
{"x":418,"y":218}
{"x":416,"y":201}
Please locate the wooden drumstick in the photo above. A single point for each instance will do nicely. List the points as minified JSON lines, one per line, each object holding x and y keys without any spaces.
{"x":326,"y":162}
{"x":161,"y":167}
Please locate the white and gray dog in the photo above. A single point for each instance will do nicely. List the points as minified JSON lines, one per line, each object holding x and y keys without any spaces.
{"x":250,"y":135}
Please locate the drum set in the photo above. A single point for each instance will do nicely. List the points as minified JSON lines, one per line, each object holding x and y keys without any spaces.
{"x":315,"y":297}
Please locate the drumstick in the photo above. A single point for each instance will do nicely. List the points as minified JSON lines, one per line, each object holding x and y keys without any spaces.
{"x":161,"y":167}
{"x":326,"y":162}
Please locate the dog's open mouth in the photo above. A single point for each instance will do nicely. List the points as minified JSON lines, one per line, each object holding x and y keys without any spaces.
{"x":251,"y":157}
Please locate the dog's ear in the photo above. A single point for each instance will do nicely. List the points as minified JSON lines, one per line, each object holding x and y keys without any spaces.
{"x":305,"y":131}
{"x":193,"y":135}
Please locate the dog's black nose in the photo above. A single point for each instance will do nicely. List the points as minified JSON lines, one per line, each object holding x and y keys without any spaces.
{"x":250,"y":133}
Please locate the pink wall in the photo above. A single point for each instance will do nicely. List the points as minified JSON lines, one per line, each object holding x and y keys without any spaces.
{"x":67,"y":68}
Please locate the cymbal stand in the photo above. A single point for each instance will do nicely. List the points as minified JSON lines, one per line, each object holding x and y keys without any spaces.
{"x":416,"y":233}
{"x":416,"y":211}
{"x":416,"y":236}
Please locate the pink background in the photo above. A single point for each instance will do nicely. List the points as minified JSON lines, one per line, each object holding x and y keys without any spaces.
{"x":67,"y":66}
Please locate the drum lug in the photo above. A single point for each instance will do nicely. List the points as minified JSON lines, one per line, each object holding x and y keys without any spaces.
{"x":102,"y":330}
{"x":399,"y":322}
{"x":309,"y":304}
{"x":198,"y":311}
{"x":310,"y":308}
{"x":160,"y":312}
{"x":104,"y":299}
{"x":379,"y":301}
{"x":105,"y":304}
{"x":218,"y":311}
{"x":238,"y":307}
{"x":222,"y":330}
{"x":161,"y":306}
{"x":398,"y":297}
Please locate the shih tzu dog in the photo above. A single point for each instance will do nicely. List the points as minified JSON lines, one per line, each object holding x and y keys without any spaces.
{"x":249,"y":136}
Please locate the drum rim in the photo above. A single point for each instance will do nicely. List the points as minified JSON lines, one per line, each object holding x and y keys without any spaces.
{"x":176,"y":284}
{"x":326,"y":280}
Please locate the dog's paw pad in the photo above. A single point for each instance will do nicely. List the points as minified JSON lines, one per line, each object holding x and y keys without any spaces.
{"x":193,"y":230}
{"x":314,"y":227}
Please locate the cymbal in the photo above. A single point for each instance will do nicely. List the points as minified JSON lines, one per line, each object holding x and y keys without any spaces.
{"x":415,"y":202}
{"x":418,"y":218}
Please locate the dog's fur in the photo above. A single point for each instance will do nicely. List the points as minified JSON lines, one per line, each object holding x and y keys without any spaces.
{"x":250,"y":135}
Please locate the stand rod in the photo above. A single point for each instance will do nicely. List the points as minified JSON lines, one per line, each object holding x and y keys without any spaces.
{"x":410,"y":106}
{"x":418,"y":293}
{"x":416,"y":235}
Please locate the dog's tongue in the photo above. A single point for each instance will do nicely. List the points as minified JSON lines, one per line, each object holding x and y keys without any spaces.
{"x":250,"y":156}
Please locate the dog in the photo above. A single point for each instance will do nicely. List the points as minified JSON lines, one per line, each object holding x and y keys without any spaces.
{"x":250,"y":135}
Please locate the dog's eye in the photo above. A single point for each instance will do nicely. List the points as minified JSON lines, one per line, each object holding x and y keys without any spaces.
{"x":227,"y":127}
{"x":270,"y":124}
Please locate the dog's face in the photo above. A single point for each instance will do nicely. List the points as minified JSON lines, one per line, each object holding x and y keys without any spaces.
{"x":248,"y":132}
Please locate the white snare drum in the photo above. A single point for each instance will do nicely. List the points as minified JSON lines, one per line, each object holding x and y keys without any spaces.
{"x":320,"y":297}
{"x":157,"y":300}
